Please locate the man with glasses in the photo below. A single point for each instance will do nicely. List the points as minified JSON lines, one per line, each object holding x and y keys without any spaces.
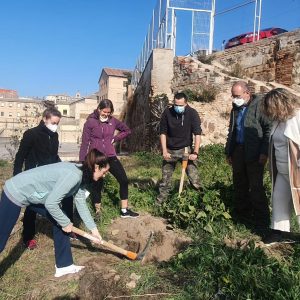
{"x":178,"y":125}
{"x":247,"y":152}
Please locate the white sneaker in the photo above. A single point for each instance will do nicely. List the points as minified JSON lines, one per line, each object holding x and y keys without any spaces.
{"x":67,"y":270}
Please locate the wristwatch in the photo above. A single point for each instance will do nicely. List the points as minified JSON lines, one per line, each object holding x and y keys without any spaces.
{"x":195,"y":153}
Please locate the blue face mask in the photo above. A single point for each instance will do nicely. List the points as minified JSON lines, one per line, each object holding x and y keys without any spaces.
{"x":179,"y":109}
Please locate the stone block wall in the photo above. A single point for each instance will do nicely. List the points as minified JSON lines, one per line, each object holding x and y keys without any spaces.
{"x":156,"y":80}
{"x":273,"y":59}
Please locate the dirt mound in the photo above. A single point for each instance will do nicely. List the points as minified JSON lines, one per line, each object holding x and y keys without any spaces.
{"x":132,"y":234}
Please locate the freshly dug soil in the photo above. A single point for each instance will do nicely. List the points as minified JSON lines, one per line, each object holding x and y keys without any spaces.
{"x":132,"y":234}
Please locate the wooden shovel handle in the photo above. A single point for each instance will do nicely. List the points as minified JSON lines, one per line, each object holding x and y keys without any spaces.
{"x":129,"y":254}
{"x":184,"y":166}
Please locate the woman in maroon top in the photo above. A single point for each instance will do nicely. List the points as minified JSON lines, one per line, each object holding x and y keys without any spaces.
{"x":99,"y":133}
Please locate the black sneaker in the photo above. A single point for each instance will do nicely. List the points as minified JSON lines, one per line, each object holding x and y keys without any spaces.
{"x":275,"y":238}
{"x":129,"y":214}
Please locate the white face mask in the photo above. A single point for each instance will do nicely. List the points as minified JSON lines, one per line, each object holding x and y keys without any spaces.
{"x":238,"y":101}
{"x":52,"y":127}
{"x":103,"y":119}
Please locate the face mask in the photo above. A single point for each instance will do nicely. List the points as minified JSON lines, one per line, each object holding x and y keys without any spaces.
{"x":103,"y":119}
{"x":52,"y":127}
{"x":238,"y":102}
{"x":179,"y":109}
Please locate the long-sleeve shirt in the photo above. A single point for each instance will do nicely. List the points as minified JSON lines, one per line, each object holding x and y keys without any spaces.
{"x":49,"y":185}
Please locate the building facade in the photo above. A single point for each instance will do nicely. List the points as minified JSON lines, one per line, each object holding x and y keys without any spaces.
{"x":113,"y":85}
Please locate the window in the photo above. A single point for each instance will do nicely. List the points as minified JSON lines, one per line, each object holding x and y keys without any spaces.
{"x":65,"y":112}
{"x":19,"y":105}
{"x":2,"y":104}
{"x":10,"y":104}
{"x":2,"y":113}
{"x":18,"y":115}
{"x":125,"y":83}
{"x":10,"y":114}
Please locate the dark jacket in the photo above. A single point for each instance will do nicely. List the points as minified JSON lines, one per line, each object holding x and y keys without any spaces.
{"x":257,"y":129}
{"x":38,"y":147}
{"x":179,"y":128}
{"x":99,"y":135}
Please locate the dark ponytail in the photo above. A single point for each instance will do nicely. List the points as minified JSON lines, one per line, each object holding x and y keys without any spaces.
{"x":94,"y":157}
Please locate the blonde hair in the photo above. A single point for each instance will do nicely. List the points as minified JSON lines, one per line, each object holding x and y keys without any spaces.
{"x":280,"y":105}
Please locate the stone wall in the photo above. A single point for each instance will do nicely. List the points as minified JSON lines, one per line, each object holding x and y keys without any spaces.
{"x":273,"y":59}
{"x":156,"y":80}
{"x":190,"y":73}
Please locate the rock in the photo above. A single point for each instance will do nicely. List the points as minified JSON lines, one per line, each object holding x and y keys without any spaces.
{"x":131,"y":284}
{"x":108,"y":276}
{"x":115,"y":232}
{"x":117,"y":278}
{"x":135,"y":277}
{"x":112,"y":271}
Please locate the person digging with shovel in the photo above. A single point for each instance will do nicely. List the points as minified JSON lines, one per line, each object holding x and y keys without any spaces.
{"x":178,"y":125}
{"x":42,"y":190}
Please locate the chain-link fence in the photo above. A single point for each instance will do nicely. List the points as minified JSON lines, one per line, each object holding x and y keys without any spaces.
{"x":162,"y":29}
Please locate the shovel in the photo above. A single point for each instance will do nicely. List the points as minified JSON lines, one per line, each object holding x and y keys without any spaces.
{"x":185,"y":159}
{"x":129,"y":254}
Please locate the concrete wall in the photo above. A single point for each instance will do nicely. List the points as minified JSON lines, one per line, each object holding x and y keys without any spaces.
{"x":156,"y":80}
{"x":273,"y":59}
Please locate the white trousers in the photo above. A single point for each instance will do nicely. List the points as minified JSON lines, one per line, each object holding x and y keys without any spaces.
{"x":282,"y":203}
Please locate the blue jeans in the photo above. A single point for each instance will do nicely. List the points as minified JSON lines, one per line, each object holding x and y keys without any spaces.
{"x":9,"y":213}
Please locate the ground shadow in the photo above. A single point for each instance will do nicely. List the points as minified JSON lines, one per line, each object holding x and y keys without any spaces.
{"x":12,"y":257}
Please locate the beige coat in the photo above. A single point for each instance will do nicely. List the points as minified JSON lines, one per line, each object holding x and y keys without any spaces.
{"x":292,"y":132}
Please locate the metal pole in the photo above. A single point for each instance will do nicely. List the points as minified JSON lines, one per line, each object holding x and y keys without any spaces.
{"x":167,"y":24}
{"x":192,"y":37}
{"x":212,"y":27}
{"x":152,"y":35}
{"x":254,"y":26}
{"x":259,"y":20}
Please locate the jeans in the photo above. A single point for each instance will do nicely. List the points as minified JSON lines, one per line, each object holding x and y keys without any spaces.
{"x":9,"y":213}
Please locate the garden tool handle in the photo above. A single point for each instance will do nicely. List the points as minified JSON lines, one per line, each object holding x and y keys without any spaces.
{"x":185,"y":159}
{"x":129,"y":254}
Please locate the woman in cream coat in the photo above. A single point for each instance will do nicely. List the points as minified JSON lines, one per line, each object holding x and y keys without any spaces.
{"x":283,"y":108}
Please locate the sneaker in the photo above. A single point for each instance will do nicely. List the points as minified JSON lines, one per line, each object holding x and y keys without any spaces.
{"x":73,"y":236}
{"x":129,"y":214}
{"x":98,"y":208}
{"x":72,"y":269}
{"x":275,"y":238}
{"x":31,"y":244}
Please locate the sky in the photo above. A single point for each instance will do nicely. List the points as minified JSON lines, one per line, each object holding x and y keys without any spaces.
{"x":61,"y":46}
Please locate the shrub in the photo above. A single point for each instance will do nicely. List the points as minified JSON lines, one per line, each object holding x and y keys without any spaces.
{"x":205,"y":59}
{"x":205,"y":94}
{"x":237,"y":71}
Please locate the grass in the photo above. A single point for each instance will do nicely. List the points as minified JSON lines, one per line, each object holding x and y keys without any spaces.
{"x":208,"y":269}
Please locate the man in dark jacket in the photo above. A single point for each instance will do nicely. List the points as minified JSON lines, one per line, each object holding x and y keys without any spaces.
{"x":247,"y":152}
{"x":38,"y":147}
{"x":178,"y":124}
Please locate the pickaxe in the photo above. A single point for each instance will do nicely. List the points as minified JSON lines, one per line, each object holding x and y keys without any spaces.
{"x":129,"y":254}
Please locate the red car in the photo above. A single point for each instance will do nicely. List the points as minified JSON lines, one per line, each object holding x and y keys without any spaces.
{"x":248,"y":37}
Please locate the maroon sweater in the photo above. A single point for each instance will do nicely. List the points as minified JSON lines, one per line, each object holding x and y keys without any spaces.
{"x":99,"y":135}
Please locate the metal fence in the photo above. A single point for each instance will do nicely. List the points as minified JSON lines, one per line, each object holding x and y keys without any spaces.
{"x":162,"y":29}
